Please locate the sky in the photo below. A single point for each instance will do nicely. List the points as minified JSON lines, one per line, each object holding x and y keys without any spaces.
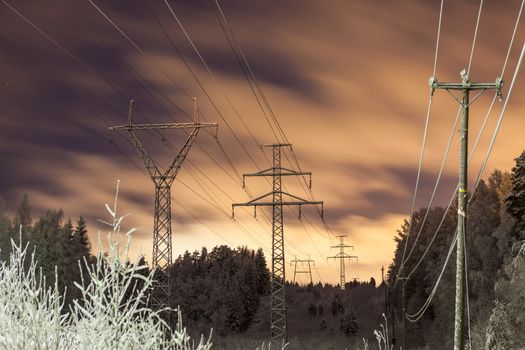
{"x":347,"y":80}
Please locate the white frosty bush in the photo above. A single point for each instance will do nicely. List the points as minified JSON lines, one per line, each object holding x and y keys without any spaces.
{"x":32,"y":315}
{"x":382,"y":336}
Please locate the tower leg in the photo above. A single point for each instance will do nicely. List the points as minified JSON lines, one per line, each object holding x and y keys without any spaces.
{"x":279,"y":332}
{"x":162,"y":250}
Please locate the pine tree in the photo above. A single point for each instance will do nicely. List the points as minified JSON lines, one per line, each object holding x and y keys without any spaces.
{"x":67,"y":266}
{"x":515,"y":201}
{"x":48,"y":242}
{"x":349,"y":324}
{"x":82,"y":243}
{"x":263,"y":285}
{"x":23,"y":215}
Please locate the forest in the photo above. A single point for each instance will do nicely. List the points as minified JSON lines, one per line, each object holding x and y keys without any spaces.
{"x":227,"y":288}
{"x":495,"y":260}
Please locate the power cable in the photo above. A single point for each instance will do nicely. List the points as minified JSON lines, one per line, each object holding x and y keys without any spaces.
{"x":475,"y":37}
{"x":417,"y":315}
{"x":443,"y":162}
{"x":423,"y":143}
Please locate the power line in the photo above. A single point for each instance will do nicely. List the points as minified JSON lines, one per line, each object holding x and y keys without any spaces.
{"x":423,"y":143}
{"x":477,"y":138}
{"x":241,"y":60}
{"x":211,"y":73}
{"x":255,"y":89}
{"x":196,"y":218}
{"x":195,"y":77}
{"x":443,"y":162}
{"x":107,"y":80}
{"x":512,"y":39}
{"x":142,"y":52}
{"x":500,"y":119}
{"x":475,"y":37}
{"x":206,"y":66}
{"x":134,"y":44}
{"x":90,"y":68}
{"x":417,"y":315}
{"x":278,"y":294}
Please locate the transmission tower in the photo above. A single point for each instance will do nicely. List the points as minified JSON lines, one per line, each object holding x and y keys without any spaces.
{"x":465,"y":86}
{"x":163,"y":179}
{"x":302,"y":262}
{"x":276,"y":172}
{"x":342,"y":256}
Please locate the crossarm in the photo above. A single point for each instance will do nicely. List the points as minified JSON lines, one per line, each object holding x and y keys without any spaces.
{"x":344,"y":256}
{"x":162,"y":126}
{"x":254,"y":203}
{"x":279,"y":171}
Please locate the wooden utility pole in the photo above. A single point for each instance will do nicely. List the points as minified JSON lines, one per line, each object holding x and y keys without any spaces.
{"x":383,"y":282}
{"x":465,"y":87}
{"x":403,"y":306}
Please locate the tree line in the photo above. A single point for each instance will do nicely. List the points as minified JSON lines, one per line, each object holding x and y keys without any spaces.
{"x":496,"y":267}
{"x":57,"y":242}
{"x":228,"y":289}
{"x":225,"y":288}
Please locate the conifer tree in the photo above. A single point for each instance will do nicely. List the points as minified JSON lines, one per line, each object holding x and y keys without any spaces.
{"x":82,"y":242}
{"x":515,"y":201}
{"x":23,"y":215}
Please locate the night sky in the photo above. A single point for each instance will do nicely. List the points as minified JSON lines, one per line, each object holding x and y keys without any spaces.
{"x":347,"y":80}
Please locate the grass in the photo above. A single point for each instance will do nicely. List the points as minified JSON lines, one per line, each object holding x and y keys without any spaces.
{"x":33,"y":316}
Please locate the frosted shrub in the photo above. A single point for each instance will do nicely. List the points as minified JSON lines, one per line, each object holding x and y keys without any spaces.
{"x":382,"y":337}
{"x":32,"y":316}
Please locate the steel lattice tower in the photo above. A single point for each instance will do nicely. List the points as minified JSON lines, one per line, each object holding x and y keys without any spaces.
{"x":278,"y":312}
{"x":342,"y":256}
{"x":162,"y":247}
{"x":308,"y":263}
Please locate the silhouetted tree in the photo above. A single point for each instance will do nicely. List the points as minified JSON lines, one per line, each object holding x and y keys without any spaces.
{"x":337,"y":306}
{"x":349,"y":324}
{"x":220,"y":288}
{"x":515,"y":200}
{"x":312,"y":309}
{"x":23,"y":215}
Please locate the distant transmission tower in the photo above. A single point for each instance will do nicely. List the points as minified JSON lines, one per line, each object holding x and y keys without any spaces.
{"x":162,"y":252}
{"x":342,"y":256}
{"x":302,"y":262}
{"x":278,"y":313}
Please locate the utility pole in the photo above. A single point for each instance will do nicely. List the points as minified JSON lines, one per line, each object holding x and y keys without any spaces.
{"x":383,"y":282}
{"x":276,"y":172}
{"x":302,"y":262}
{"x":393,"y":317}
{"x":163,"y":179}
{"x":465,"y":86}
{"x":403,"y":305}
{"x":342,"y":256}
